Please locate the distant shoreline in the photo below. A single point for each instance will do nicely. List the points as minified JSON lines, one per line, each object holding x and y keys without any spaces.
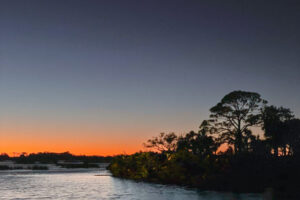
{"x":44,"y":161}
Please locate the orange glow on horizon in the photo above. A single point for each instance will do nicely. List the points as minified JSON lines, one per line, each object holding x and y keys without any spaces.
{"x":15,"y":149}
{"x":17,"y":140}
{"x":78,"y":139}
{"x":101,"y":149}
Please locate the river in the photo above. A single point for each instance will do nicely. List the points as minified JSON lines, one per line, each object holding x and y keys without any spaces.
{"x":97,"y":184}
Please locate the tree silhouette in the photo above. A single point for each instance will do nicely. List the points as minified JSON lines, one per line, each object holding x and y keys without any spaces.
{"x":198,"y":143}
{"x":247,"y":164}
{"x":275,"y":126}
{"x":292,"y":136}
{"x":163,"y":143}
{"x":232,"y":117}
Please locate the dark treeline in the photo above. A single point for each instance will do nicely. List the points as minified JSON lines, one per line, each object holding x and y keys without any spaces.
{"x":225,"y":154}
{"x":54,"y":158}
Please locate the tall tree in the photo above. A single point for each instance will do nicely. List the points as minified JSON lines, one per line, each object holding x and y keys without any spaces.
{"x":292,"y":137}
{"x":232,"y":117}
{"x":276,"y":127}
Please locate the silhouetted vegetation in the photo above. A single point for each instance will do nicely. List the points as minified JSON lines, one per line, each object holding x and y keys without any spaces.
{"x":79,"y":165}
{"x":53,"y":158}
{"x":4,"y":156}
{"x":65,"y":160}
{"x":4,"y":167}
{"x":225,"y":154}
{"x":37,"y":167}
{"x":34,"y":167}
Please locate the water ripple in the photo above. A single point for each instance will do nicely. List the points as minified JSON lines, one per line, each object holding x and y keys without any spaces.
{"x":97,"y":185}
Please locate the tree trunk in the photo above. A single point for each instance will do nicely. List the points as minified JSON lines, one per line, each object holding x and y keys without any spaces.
{"x":276,"y":151}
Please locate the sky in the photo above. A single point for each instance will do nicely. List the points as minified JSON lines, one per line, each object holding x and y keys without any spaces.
{"x":101,"y":77}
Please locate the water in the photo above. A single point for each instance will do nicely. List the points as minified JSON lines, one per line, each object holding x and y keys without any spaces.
{"x":97,"y":184}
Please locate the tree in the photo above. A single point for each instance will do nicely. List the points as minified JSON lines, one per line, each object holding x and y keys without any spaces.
{"x":232,"y":117}
{"x":260,"y":147}
{"x":163,"y":142}
{"x":198,"y":143}
{"x":292,"y":136}
{"x":276,"y":127}
{"x":4,"y":156}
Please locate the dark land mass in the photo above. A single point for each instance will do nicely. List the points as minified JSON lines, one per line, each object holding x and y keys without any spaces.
{"x":250,"y":163}
{"x":65,"y":160}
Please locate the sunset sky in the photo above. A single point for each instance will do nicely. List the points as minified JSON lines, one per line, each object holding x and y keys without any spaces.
{"x":101,"y":77}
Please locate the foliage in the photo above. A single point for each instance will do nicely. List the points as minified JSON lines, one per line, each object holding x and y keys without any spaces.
{"x":48,"y":157}
{"x":164,"y":142}
{"x":275,"y":125}
{"x":198,"y":143}
{"x":232,"y":117}
{"x":254,"y":164}
{"x":4,"y":156}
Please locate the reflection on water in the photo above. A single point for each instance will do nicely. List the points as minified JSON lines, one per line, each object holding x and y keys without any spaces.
{"x":86,"y":185}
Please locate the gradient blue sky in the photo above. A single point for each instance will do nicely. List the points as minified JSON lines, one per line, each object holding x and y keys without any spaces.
{"x":101,"y":77}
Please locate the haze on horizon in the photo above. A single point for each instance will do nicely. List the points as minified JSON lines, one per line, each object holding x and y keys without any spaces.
{"x":101,"y":77}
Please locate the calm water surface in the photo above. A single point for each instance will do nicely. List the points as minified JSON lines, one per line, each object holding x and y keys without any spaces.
{"x":97,"y":184}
